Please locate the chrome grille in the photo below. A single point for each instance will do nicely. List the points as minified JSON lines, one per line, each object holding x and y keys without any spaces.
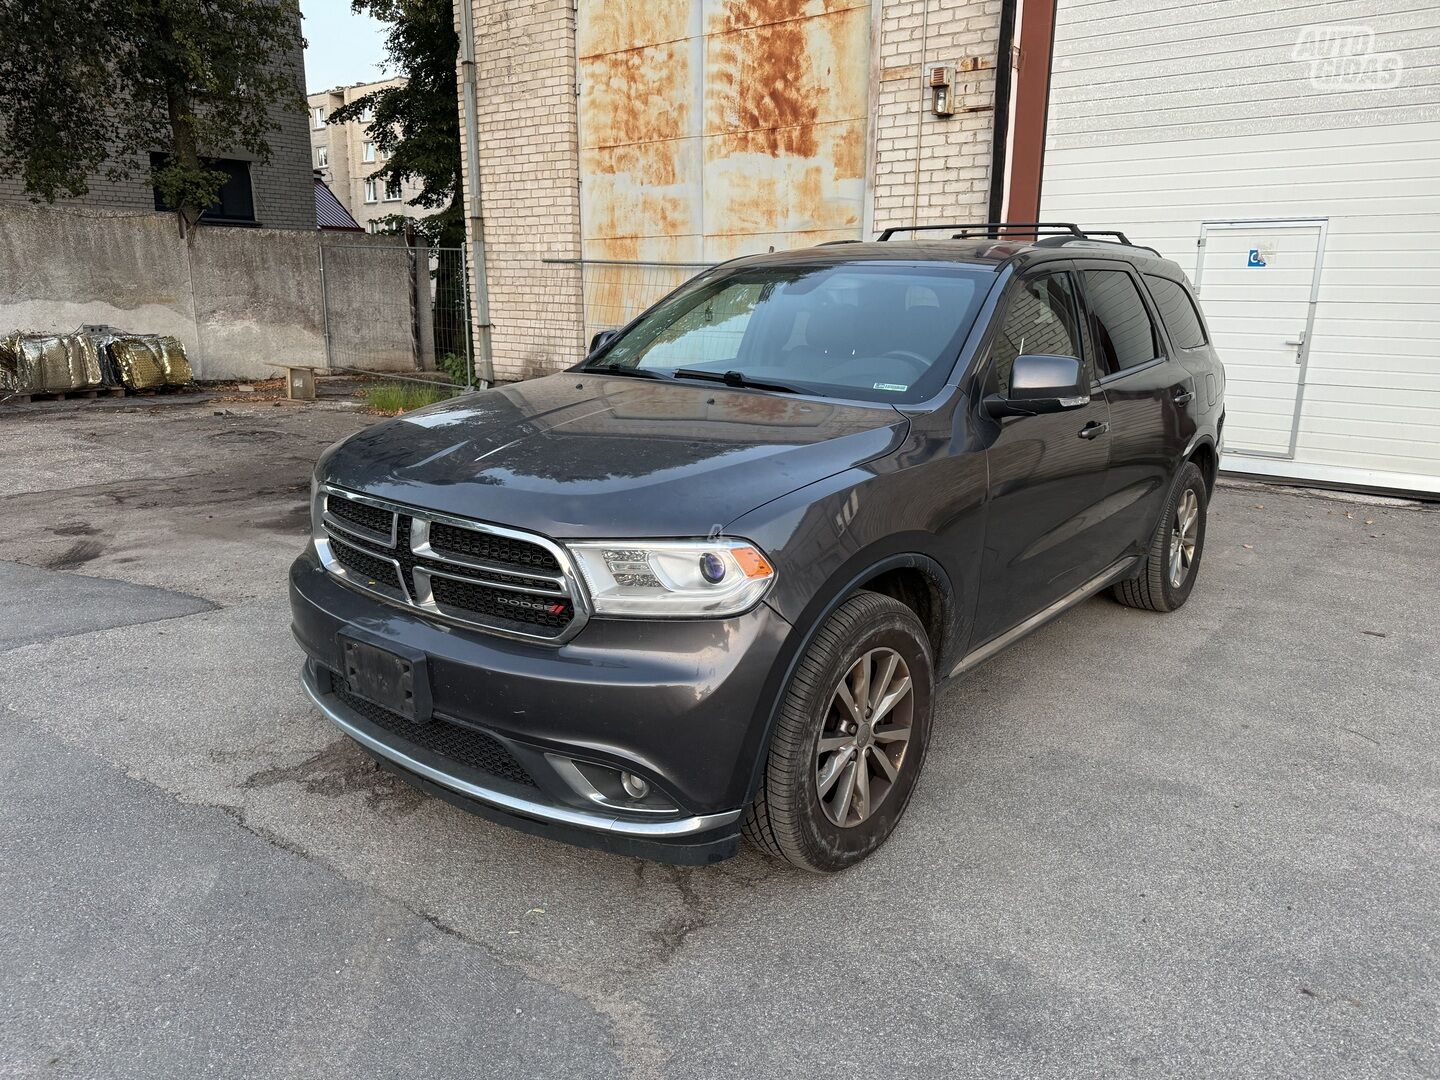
{"x":468,"y":572}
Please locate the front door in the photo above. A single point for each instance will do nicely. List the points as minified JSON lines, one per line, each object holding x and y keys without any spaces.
{"x":1257,"y":282}
{"x":1047,"y":473}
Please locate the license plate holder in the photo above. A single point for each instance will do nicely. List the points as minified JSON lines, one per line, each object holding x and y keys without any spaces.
{"x":386,"y":677}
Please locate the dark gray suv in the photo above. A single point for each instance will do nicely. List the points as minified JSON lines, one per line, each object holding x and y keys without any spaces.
{"x":710,"y":580}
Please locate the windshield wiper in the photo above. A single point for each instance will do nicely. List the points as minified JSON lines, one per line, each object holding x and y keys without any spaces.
{"x":735,"y":378}
{"x":623,"y":369}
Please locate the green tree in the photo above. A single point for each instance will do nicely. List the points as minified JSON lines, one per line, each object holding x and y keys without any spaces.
{"x":417,"y":125}
{"x":90,"y":87}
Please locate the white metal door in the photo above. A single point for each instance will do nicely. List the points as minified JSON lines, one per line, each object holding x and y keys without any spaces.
{"x":1258,"y":282}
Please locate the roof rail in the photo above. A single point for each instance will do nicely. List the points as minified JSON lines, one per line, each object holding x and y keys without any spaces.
{"x":964,"y":230}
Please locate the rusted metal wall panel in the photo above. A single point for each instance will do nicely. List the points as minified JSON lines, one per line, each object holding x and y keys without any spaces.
{"x":713,"y":128}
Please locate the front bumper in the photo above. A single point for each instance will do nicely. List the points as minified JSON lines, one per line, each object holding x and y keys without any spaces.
{"x":684,"y":704}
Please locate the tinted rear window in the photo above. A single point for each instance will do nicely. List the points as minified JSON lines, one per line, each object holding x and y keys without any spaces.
{"x":1124,"y":334}
{"x":1177,"y":312}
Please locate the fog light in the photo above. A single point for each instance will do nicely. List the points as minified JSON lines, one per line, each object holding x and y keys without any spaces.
{"x":635,"y":786}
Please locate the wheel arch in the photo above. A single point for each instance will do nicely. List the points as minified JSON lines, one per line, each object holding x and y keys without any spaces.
{"x":910,"y":577}
{"x":1203,"y":453}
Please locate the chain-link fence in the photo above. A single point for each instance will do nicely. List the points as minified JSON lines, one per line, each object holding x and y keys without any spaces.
{"x":397,"y":311}
{"x":615,"y":292}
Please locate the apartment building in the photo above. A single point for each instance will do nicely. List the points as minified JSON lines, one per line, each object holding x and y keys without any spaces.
{"x":346,"y":158}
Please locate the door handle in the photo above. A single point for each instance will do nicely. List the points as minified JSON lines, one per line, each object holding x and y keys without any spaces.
{"x":1183,"y":397}
{"x":1299,"y":345}
{"x":1094,"y":430}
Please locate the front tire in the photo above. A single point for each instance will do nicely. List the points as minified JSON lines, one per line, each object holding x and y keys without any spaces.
{"x":1168,"y":575}
{"x":850,"y":738}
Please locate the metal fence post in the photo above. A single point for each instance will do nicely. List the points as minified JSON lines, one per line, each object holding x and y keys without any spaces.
{"x":325,"y":303}
{"x":465,"y":308}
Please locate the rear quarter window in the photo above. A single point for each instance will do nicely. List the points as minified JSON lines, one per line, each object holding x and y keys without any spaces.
{"x":1178,"y":312}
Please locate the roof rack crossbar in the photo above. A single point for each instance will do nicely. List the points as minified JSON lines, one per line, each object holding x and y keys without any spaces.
{"x":1110,"y":232}
{"x":989,"y":227}
{"x":1065,"y":229}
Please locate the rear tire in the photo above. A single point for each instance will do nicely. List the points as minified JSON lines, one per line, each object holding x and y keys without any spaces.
{"x":1168,"y":573}
{"x":859,"y":698}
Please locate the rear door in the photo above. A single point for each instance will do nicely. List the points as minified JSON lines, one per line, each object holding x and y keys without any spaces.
{"x":1148,"y":391}
{"x":1043,"y":535}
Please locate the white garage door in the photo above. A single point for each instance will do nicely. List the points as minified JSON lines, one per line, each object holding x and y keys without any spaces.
{"x":1184,"y":123}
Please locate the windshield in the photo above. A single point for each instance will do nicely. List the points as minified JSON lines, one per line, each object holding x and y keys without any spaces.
{"x":881,"y":332}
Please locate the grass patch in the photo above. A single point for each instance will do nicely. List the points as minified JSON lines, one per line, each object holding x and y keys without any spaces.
{"x":394,"y":400}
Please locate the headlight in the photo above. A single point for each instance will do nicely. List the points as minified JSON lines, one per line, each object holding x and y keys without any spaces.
{"x":673,"y":577}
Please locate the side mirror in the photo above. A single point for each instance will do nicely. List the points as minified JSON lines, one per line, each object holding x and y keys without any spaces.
{"x":600,"y":340}
{"x":1042,"y":384}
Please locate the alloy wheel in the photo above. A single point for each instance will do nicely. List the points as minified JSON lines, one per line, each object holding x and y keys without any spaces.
{"x":1184,"y":533}
{"x":862,"y":743}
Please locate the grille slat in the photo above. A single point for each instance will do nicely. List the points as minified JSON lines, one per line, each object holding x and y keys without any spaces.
{"x":364,"y":515}
{"x":462,"y":745}
{"x":369,"y":567}
{"x":494,"y":597}
{"x":453,"y":540}
{"x":503,"y":604}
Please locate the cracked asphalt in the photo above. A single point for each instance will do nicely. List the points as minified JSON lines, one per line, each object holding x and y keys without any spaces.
{"x":1196,"y":844}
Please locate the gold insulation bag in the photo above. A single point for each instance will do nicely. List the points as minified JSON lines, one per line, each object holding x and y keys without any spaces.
{"x":84,"y":361}
{"x":138,"y":362}
{"x":47,"y":356}
{"x":15,"y":373}
{"x":173,"y":362}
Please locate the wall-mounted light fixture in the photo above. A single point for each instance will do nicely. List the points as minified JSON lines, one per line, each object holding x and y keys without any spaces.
{"x":942,"y":85}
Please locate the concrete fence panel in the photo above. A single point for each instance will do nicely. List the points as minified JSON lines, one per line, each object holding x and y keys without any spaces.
{"x":240,"y":299}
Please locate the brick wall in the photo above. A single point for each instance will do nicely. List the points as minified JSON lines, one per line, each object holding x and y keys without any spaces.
{"x":529,"y":174}
{"x":925,"y":168}
{"x":928,"y":168}
{"x":283,"y":189}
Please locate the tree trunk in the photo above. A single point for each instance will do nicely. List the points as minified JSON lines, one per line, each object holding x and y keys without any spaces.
{"x":183,"y":151}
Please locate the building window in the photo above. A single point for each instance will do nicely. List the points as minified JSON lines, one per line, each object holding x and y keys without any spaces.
{"x":369,"y":190}
{"x":322,"y":156}
{"x":235,"y":203}
{"x":367,"y":114}
{"x":392,"y":190}
{"x":318,"y":112}
{"x":367,"y":152}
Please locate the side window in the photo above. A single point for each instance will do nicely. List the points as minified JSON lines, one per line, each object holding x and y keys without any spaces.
{"x":1040,"y":317}
{"x":1124,"y":335}
{"x":1177,"y":312}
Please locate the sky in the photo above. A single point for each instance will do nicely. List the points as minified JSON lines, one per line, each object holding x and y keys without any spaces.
{"x":341,"y":47}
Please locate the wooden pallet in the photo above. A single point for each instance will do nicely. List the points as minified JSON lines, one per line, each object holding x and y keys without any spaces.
{"x":64,"y":395}
{"x":151,"y":391}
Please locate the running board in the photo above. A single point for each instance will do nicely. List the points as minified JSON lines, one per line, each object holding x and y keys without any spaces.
{"x":1109,"y":576}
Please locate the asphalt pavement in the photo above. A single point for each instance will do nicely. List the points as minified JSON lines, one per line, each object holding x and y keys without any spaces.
{"x":1197,"y":844}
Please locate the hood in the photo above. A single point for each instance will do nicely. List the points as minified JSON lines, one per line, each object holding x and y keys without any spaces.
{"x":577,"y":455}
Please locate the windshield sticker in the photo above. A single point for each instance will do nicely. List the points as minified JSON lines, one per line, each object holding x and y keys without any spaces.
{"x":897,"y":387}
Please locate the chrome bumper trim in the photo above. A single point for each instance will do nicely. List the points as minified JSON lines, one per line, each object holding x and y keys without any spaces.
{"x":559,"y":815}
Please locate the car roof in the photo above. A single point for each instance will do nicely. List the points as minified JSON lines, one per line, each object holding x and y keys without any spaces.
{"x":974,"y":252}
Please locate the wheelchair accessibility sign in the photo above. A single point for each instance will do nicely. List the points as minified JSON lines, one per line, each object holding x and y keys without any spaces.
{"x":1260,"y":256}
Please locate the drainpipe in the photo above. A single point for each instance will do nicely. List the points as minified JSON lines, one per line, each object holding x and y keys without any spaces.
{"x":1000,"y":136}
{"x":484,"y":356}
